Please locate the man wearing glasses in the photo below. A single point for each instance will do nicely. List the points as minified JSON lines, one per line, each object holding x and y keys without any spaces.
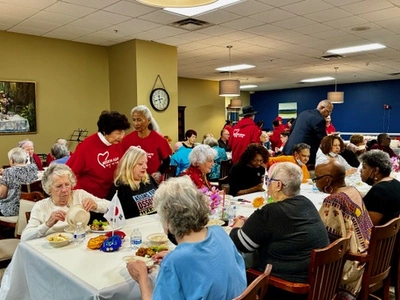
{"x":309,"y":128}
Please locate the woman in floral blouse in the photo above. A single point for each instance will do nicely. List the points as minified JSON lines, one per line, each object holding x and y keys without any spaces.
{"x":12,"y":178}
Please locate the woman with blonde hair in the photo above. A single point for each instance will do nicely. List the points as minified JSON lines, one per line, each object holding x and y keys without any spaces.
{"x":134,"y":187}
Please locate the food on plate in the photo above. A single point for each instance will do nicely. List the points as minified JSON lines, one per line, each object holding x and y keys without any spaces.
{"x":157,"y":238}
{"x":215,"y":222}
{"x":96,"y":242}
{"x":258,"y":201}
{"x":99,"y":225}
{"x":151,"y":250}
{"x":58,"y":238}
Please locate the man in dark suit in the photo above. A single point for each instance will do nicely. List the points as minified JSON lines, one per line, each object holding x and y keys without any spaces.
{"x":309,"y":128}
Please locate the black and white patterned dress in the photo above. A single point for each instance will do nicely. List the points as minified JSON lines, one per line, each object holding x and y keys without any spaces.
{"x":13,"y":177}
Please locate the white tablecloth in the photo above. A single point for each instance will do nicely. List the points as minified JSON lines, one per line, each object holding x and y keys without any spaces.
{"x":41,"y":272}
{"x":15,"y":123}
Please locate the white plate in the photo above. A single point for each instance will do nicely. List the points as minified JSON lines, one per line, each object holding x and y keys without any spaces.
{"x":72,"y":230}
{"x":215,"y":222}
{"x":148,"y":261}
{"x":105,"y":231}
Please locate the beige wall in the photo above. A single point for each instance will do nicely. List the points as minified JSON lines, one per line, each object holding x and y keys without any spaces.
{"x":71,"y":85}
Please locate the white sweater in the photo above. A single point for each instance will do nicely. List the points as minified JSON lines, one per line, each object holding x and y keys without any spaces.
{"x":42,"y":210}
{"x":322,"y":158}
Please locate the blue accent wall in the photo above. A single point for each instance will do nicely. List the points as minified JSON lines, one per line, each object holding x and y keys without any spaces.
{"x":362,"y":110}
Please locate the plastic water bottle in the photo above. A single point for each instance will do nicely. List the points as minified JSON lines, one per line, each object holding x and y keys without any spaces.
{"x":79,"y":233}
{"x":231,"y":213}
{"x":314,"y":188}
{"x":136,"y":239}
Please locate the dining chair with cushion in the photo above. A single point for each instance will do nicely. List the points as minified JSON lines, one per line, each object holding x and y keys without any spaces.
{"x":226,"y":166}
{"x":324,"y":273}
{"x":258,"y":287}
{"x":26,"y":204}
{"x":35,"y":186}
{"x":378,"y":260}
{"x":170,"y":172}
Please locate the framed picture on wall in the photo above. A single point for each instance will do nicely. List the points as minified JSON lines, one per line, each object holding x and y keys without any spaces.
{"x":17,"y":107}
{"x":287,"y":110}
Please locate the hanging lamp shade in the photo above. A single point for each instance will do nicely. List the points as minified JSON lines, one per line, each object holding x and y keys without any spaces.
{"x":176,"y":3}
{"x":229,"y":88}
{"x":336,"y":97}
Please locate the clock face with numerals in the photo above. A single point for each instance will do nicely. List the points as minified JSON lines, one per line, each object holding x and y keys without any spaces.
{"x":159,"y":99}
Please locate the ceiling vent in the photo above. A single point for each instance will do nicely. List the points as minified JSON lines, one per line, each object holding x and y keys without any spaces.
{"x":394,"y":74}
{"x":331,"y":56}
{"x":191,"y":24}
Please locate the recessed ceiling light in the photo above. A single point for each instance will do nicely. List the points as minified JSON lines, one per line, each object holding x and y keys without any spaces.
{"x":354,"y":49}
{"x":318,"y":79}
{"x":193,"y":11}
{"x":235,"y":68}
{"x":175,"y":3}
{"x":248,"y":86}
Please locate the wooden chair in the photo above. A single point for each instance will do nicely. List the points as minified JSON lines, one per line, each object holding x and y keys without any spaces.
{"x":223,"y":184}
{"x":35,"y":186}
{"x":26,"y":204}
{"x":324,"y":273}
{"x":170,"y":172}
{"x":378,"y":259}
{"x":258,"y":288}
{"x":226,"y":166}
{"x":396,"y":269}
{"x":43,"y":158}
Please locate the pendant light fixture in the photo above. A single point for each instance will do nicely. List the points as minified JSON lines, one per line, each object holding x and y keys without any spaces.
{"x":336,"y":97}
{"x":229,"y":87}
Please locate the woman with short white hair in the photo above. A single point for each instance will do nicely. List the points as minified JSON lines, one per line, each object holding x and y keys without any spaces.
{"x":201,"y":163}
{"x":31,"y":156}
{"x":205,"y":264}
{"x":12,"y":178}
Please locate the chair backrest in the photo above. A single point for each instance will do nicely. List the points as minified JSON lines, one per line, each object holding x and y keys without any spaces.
{"x":223,"y":184}
{"x":226,"y":166}
{"x":380,"y":251}
{"x":35,"y":186}
{"x":258,"y":288}
{"x":326,"y":268}
{"x":26,"y":204}
{"x":170,"y":172}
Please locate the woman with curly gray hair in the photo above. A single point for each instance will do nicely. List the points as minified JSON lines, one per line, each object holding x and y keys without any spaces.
{"x":49,"y":215}
{"x":183,"y":211}
{"x":382,"y":200}
{"x":201,"y":163}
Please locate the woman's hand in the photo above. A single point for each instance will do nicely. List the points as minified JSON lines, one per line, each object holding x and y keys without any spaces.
{"x":58,"y":215}
{"x":158,"y":257}
{"x":89,"y":204}
{"x":157,"y":177}
{"x":239,"y":221}
{"x":137,"y":269}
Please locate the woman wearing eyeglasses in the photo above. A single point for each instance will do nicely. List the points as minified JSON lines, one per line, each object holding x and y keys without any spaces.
{"x":331,"y":147}
{"x":247,"y":175}
{"x":284,"y":232}
{"x":344,"y":212}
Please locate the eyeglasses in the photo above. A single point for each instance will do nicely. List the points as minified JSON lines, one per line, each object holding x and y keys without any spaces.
{"x":273,"y":179}
{"x":319,"y":177}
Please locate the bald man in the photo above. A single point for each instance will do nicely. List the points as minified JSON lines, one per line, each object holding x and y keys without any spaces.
{"x":309,"y":128}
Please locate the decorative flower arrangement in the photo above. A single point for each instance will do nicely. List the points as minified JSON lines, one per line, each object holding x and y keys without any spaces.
{"x":5,"y":101}
{"x":395,"y":164}
{"x":215,"y":197}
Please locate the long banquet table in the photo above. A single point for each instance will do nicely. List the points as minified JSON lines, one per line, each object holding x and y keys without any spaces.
{"x":39,"y":271}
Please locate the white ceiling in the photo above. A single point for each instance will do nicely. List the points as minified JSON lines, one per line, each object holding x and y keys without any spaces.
{"x":282,"y":38}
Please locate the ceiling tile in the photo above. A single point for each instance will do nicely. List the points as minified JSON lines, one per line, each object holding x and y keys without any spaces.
{"x":307,"y":7}
{"x":328,"y":14}
{"x":383,"y":14}
{"x":107,"y":17}
{"x":51,"y":17}
{"x":367,"y":6}
{"x":243,"y":23}
{"x":272,"y":15}
{"x":17,"y":11}
{"x":294,"y":23}
{"x":70,"y":9}
{"x":130,"y":9}
{"x":99,"y":4}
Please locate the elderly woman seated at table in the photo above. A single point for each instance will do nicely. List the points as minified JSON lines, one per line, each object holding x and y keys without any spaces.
{"x":60,"y":153}
{"x":301,"y":155}
{"x":247,"y":175}
{"x":205,"y":264}
{"x":31,"y":156}
{"x":382,"y":200}
{"x":343,"y":212}
{"x":283,"y":232}
{"x":11,"y":180}
{"x":221,"y":155}
{"x":331,"y":147}
{"x":201,"y":162}
{"x":49,"y":215}
{"x":134,"y":186}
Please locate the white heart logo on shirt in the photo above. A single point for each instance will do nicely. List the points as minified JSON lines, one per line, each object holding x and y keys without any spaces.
{"x":102,"y":157}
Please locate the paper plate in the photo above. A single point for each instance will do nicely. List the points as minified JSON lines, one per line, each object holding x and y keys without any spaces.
{"x":77,"y":213}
